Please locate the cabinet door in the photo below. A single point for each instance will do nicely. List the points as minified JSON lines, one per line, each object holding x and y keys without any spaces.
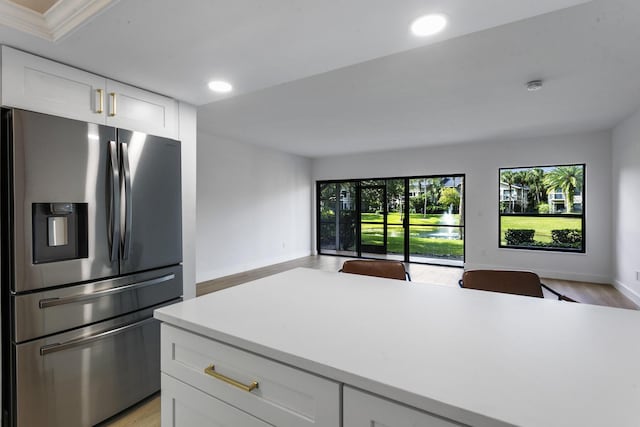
{"x":284,"y":396}
{"x":136,"y":109}
{"x":37,"y":84}
{"x":366,"y":410}
{"x":184,"y":406}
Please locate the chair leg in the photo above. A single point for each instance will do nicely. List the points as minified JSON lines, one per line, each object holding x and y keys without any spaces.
{"x":558,"y":294}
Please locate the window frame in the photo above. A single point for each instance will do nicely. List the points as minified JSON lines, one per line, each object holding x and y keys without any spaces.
{"x":582,"y":215}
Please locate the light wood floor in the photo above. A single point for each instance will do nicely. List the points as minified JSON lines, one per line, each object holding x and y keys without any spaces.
{"x":144,"y":414}
{"x":147,"y":413}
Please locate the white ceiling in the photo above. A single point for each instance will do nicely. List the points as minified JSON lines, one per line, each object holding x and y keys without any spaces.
{"x":328,"y":77}
{"x":470,"y":88}
{"x":176,"y":47}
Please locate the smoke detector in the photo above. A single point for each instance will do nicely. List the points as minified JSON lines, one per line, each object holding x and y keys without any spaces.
{"x":534,"y":85}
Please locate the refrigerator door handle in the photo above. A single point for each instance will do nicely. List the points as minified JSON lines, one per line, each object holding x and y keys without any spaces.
{"x":53,"y":348}
{"x":52,"y":302}
{"x":114,"y":203}
{"x":126,"y":240}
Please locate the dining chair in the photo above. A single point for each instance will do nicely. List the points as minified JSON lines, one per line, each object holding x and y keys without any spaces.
{"x":510,"y":282}
{"x":377,"y":268}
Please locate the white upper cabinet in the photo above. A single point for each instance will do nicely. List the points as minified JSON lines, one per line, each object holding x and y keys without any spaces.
{"x":135,"y":109}
{"x":37,"y":84}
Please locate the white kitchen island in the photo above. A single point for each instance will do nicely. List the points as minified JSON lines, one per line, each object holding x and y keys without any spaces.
{"x":329,"y":348}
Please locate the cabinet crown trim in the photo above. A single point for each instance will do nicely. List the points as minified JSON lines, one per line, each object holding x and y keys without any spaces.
{"x":56,"y":22}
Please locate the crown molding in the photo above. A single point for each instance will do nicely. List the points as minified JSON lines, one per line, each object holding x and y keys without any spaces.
{"x":60,"y":20}
{"x":23,"y":19}
{"x":67,"y":15}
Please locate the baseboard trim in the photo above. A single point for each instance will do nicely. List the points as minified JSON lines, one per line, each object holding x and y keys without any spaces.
{"x":561,"y":275}
{"x":240,"y":268}
{"x":627,"y":292}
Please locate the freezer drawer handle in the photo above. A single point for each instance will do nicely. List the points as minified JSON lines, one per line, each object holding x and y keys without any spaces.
{"x":51,"y":302}
{"x":211,"y":370}
{"x":53,"y":348}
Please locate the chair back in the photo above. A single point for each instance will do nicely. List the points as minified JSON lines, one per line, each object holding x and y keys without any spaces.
{"x":387,"y":269}
{"x":509,"y":282}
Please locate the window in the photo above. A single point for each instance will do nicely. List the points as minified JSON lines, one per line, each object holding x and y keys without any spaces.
{"x":542,"y":208}
{"x":411,"y":219}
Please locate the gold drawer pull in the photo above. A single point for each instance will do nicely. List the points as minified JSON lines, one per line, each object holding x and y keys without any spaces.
{"x":113,"y":104}
{"x":211,"y":370}
{"x":100,"y":109}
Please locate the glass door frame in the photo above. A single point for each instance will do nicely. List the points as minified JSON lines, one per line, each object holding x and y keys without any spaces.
{"x":362,"y":187}
{"x":406,"y":223}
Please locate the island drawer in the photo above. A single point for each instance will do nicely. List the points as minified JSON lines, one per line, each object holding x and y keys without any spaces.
{"x":283,"y":396}
{"x":184,"y":406}
{"x":362,"y":409}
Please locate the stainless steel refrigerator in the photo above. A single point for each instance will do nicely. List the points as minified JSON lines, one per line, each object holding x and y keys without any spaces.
{"x":91,"y":245}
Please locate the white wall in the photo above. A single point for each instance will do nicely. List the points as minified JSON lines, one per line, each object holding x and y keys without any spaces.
{"x":626,"y":206}
{"x":480,"y":162}
{"x":253,"y":207}
{"x":188,"y":135}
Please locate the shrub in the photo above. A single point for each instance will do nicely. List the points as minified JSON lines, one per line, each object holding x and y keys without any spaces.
{"x":519,"y":237}
{"x":416,"y":203}
{"x":553,"y":245}
{"x":566,"y":236}
{"x":543,"y":208}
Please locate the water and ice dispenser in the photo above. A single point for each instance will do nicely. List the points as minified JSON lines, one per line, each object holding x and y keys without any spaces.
{"x":59,"y":231}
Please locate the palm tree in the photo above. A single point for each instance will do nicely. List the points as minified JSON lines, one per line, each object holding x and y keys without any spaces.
{"x":508,"y":177}
{"x":567,"y":179}
{"x":535,"y":181}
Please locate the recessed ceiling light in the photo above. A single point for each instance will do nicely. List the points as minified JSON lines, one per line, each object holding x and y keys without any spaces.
{"x":220,"y":86}
{"x":534,"y":85}
{"x":428,"y":25}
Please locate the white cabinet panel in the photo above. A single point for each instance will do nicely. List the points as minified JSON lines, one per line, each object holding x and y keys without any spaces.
{"x":366,"y":410}
{"x":36,"y":84}
{"x":184,"y":406}
{"x":135,"y":109}
{"x":285,"y":396}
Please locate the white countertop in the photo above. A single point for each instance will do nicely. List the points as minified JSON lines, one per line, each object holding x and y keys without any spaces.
{"x":474,"y":356}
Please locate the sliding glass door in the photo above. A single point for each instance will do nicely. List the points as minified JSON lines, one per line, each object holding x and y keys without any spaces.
{"x":436,"y":227}
{"x":412,"y":219}
{"x":337,"y":215}
{"x":373,"y":218}
{"x":395,"y":224}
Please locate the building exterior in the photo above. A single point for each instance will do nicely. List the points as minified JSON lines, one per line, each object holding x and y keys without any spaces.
{"x":516,"y":195}
{"x":557,"y":201}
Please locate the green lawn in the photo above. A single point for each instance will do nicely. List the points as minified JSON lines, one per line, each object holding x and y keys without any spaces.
{"x":417,"y":219}
{"x":431,"y":246}
{"x":542,"y":225}
{"x":372,"y":234}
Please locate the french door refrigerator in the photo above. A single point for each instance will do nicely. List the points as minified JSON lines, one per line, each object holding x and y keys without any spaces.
{"x":91,"y":245}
